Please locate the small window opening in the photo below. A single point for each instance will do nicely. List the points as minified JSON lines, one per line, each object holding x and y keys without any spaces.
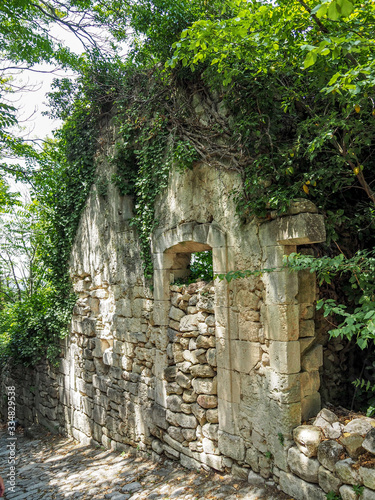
{"x":190,"y":267}
{"x":201,"y":268}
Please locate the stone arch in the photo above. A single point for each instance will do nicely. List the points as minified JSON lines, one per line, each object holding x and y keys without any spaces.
{"x":170,"y":249}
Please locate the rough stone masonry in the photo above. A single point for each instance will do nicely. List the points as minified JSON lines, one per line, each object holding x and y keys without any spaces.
{"x":214,"y":375}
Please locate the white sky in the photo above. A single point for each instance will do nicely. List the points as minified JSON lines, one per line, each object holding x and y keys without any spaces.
{"x":32,"y":102}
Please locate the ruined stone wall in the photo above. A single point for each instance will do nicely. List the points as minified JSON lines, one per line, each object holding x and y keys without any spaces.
{"x":215,"y":376}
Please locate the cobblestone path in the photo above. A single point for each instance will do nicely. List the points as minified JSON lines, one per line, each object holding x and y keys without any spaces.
{"x":55,"y":467}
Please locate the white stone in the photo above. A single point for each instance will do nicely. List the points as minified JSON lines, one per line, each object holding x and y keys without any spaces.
{"x":231,"y":446}
{"x":347,"y":493}
{"x":329,"y":453}
{"x":359,"y":426}
{"x":328,"y":481}
{"x":307,"y":439}
{"x":368,"y":477}
{"x":205,"y":385}
{"x":346,"y":473}
{"x":306,"y":468}
{"x":300,"y":489}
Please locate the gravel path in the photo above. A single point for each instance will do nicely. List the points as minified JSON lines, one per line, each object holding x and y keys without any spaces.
{"x":55,"y":467}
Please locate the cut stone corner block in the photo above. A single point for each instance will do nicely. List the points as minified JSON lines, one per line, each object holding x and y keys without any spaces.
{"x":299,"y":229}
{"x":285,"y":357}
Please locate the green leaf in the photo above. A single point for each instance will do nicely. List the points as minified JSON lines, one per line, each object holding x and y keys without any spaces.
{"x":310,"y":59}
{"x":333,"y":11}
{"x":346,"y":7}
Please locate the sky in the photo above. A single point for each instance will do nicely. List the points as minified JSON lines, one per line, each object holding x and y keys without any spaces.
{"x":33,"y":101}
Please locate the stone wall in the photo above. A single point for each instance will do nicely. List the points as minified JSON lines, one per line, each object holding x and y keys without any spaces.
{"x":215,"y":376}
{"x":332,"y":457}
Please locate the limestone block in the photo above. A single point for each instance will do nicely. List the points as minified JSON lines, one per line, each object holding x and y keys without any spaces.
{"x":346,"y":473}
{"x":299,"y":489}
{"x":210,"y":431}
{"x":206,"y":304}
{"x":281,"y":322}
{"x":245,"y":355}
{"x":174,"y":403}
{"x":310,"y":383}
{"x":189,"y":434}
{"x":170,"y":373}
{"x":259,"y":442}
{"x":99,"y":415}
{"x":210,"y":320}
{"x":199,"y":413}
{"x":281,"y":418}
{"x":161,"y":312}
{"x":368,"y":477}
{"x":254,"y":479}
{"x":212,"y":416}
{"x":284,"y":388}
{"x":205,"y":385}
{"x":310,"y":406}
{"x":285,"y":356}
{"x":214,"y":461}
{"x":186,"y":421}
{"x":302,"y":206}
{"x":100,"y":382}
{"x":306,"y":328}
{"x":274,"y":255}
{"x":82,"y":423}
{"x":173,"y":388}
{"x":241,"y":473}
{"x":186,"y":408}
{"x":306,"y":287}
{"x":231,"y":446}
{"x":306,"y":468}
{"x":360,"y":426}
{"x":369,"y":442}
{"x":189,"y":396}
{"x":227,"y":416}
{"x":190,"y":356}
{"x":159,"y":416}
{"x":189,"y":463}
{"x":325,"y":416}
{"x":229,"y":383}
{"x":205,"y":342}
{"x":248,"y":330}
{"x":184,"y":366}
{"x":312,"y":359}
{"x":203,"y":371}
{"x":211,"y":357}
{"x":353,"y":445}
{"x":170,"y":452}
{"x":368,"y":494}
{"x":176,"y":314}
{"x":281,"y":287}
{"x":328,"y":481}
{"x":301,"y":229}
{"x":252,"y":458}
{"x":216,"y":237}
{"x":189,"y":323}
{"x":307,"y":439}
{"x":306,"y":311}
{"x":347,"y":493}
{"x":184,"y":380}
{"x":207,"y":401}
{"x":100,"y":346}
